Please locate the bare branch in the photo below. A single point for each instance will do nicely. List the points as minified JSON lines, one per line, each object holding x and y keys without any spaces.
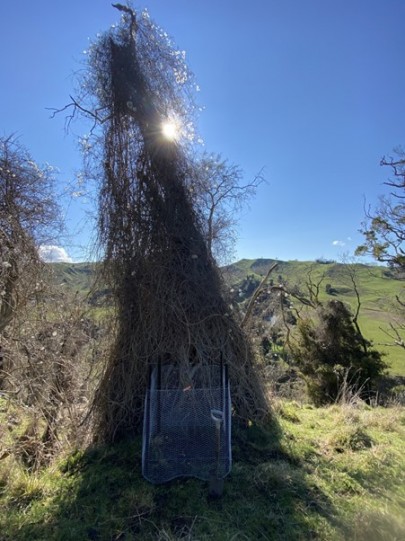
{"x":395,"y":336}
{"x":76,"y":106}
{"x":256,"y":294}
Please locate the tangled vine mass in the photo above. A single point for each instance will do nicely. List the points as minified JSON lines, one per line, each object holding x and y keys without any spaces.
{"x":170,"y":305}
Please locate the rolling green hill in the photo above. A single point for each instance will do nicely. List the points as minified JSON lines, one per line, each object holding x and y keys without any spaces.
{"x":376,"y":285}
{"x":74,"y":276}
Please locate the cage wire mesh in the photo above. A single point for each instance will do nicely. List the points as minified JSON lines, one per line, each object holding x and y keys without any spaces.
{"x":187,"y":423}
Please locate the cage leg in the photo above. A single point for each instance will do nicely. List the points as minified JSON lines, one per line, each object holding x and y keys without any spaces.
{"x":216,"y":484}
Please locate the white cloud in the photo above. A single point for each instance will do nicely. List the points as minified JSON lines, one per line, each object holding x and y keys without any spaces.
{"x":54,"y":254}
{"x":338,"y":243}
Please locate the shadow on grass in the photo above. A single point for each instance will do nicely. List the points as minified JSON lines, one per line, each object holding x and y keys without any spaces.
{"x":104,"y":497}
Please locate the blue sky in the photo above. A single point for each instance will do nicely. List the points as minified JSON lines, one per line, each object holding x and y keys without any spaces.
{"x":313,"y":91}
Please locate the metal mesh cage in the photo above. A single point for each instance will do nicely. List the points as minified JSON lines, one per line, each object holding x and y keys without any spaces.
{"x":187,"y":424}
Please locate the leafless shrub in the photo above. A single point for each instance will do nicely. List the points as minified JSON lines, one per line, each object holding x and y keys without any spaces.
{"x":51,"y":370}
{"x":43,"y":336}
{"x":218,"y":194}
{"x":27,"y":213}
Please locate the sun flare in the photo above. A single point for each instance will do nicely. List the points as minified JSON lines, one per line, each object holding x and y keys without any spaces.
{"x":170,"y":130}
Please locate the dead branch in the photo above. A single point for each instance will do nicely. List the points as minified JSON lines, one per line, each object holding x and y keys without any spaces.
{"x":255,"y":295}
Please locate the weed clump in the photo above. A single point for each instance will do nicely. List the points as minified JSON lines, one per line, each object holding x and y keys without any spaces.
{"x":347,"y":438}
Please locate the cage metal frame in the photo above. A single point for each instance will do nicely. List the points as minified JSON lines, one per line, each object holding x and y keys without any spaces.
{"x":200,"y":394}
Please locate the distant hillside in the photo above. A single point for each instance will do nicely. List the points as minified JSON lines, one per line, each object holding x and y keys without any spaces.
{"x":377,"y":287}
{"x":74,"y":276}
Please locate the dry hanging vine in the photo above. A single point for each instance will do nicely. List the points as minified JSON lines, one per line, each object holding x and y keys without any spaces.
{"x":168,"y":291}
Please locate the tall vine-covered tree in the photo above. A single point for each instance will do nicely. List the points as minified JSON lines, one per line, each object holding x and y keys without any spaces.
{"x":169,"y":297}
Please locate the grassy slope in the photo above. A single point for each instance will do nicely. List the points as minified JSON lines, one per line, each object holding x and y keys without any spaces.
{"x":330,"y":474}
{"x":77,"y":277}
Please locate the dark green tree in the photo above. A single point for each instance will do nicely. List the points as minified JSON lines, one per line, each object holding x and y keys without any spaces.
{"x":330,"y":350}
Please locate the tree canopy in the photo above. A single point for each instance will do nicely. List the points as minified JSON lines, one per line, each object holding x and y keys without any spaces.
{"x":384,"y":227}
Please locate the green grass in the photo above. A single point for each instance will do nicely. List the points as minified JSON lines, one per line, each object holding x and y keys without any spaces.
{"x":330,"y":474}
{"x":75,"y":277}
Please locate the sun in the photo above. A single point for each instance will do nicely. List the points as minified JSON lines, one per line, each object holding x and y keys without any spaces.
{"x":170,"y":130}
